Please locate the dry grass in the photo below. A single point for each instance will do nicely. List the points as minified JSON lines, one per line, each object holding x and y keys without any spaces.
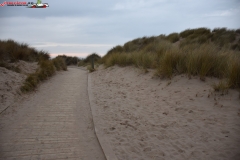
{"x":198,"y":54}
{"x":59,"y":63}
{"x":233,"y":73}
{"x":173,"y":37}
{"x":168,"y":63}
{"x":47,"y":69}
{"x":69,"y":60}
{"x":92,"y":58}
{"x":221,"y":86}
{"x":90,"y":68}
{"x":12,"y":51}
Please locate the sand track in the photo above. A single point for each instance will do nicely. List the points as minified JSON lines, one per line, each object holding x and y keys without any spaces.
{"x":53,"y":123}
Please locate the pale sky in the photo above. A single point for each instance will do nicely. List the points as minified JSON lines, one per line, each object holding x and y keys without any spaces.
{"x":81,"y":27}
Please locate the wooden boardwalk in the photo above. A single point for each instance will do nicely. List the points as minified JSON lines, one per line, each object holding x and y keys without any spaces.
{"x":53,"y":123}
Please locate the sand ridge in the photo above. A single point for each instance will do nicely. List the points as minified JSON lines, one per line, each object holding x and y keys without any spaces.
{"x":149,"y":118}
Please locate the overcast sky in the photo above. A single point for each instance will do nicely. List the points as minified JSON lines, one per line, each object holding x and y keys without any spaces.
{"x":81,"y":27}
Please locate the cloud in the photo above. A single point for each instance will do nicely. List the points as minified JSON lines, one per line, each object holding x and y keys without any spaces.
{"x":129,"y":5}
{"x":97,"y":26}
{"x":137,"y":4}
{"x":51,"y":44}
{"x":221,"y":13}
{"x":80,"y":55}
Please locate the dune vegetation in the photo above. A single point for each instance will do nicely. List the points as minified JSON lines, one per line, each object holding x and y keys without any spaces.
{"x":69,"y":60}
{"x":12,"y":51}
{"x":87,"y":62}
{"x":196,"y":52}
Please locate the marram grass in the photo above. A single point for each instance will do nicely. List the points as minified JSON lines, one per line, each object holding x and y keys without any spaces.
{"x":203,"y":59}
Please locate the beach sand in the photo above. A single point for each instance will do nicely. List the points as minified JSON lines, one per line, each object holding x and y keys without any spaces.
{"x":144,"y":117}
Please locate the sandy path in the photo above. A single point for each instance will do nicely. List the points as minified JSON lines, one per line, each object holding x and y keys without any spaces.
{"x":53,"y":123}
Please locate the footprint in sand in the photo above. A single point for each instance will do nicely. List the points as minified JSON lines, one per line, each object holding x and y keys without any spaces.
{"x":147,"y":149}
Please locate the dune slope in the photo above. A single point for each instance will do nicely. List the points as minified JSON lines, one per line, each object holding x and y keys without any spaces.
{"x":148,"y":118}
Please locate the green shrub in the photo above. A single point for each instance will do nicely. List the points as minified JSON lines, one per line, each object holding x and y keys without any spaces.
{"x":59,"y":63}
{"x":203,"y":39}
{"x":90,"y":69}
{"x":81,"y":63}
{"x":118,"y":48}
{"x":219,"y":30}
{"x":173,"y":37}
{"x":186,"y":33}
{"x":201,"y":31}
{"x":69,"y":60}
{"x":46,"y":70}
{"x":222,"y":36}
{"x":194,"y":33}
{"x":238,"y":31}
{"x":30,"y":83}
{"x":93,"y":56}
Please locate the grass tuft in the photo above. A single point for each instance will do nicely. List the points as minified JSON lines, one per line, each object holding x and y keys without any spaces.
{"x":59,"y":63}
{"x":168,"y":63}
{"x":173,"y":37}
{"x":90,"y":69}
{"x":234,"y":72}
{"x":221,"y":86}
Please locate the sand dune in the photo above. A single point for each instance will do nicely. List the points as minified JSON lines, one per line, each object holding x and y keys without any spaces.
{"x":148,"y":118}
{"x":10,"y":82}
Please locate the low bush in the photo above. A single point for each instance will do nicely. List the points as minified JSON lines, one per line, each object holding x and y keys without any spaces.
{"x":59,"y":63}
{"x":173,"y":37}
{"x":186,"y":33}
{"x":223,"y":37}
{"x":90,"y":68}
{"x":13,"y":51}
{"x":47,"y":68}
{"x":69,"y":60}
{"x":30,"y":83}
{"x":94,"y":57}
